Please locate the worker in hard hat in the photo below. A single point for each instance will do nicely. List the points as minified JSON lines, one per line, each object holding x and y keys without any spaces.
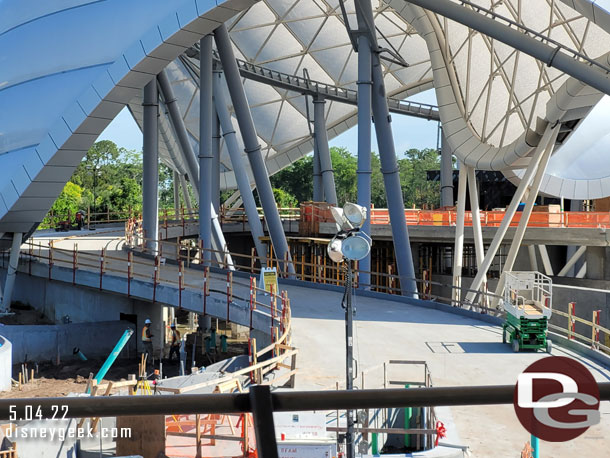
{"x":147,"y":341}
{"x":175,"y":343}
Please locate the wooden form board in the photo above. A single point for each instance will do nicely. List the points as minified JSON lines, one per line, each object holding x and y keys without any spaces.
{"x":147,"y":436}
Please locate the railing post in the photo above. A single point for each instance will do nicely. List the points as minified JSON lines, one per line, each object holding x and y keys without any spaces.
{"x":206,"y":287}
{"x":229,"y":291}
{"x":252,"y":259}
{"x":31,"y":253}
{"x":129,"y":262}
{"x":252,"y":280}
{"x":178,"y":248}
{"x":74,"y":248}
{"x":254,"y":361}
{"x":571,"y":321}
{"x":155,"y":278}
{"x":595,"y":329}
{"x":272,"y":310}
{"x":180,"y":283}
{"x":50,"y":258}
{"x":102,"y":257}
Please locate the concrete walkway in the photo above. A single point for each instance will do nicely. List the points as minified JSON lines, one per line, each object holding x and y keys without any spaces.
{"x":458,"y":350}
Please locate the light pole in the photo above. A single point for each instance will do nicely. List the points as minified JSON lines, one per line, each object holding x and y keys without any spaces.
{"x":349,"y":245}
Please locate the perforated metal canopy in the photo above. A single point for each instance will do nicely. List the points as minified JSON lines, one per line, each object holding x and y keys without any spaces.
{"x":58,"y":93}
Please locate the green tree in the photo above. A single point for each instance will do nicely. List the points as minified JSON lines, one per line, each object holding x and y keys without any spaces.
{"x":69,"y":200}
{"x":284,"y":199}
{"x":417,"y":190}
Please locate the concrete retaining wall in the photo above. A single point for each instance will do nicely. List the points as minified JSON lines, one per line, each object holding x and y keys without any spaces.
{"x":6,"y":363}
{"x":44,"y":342}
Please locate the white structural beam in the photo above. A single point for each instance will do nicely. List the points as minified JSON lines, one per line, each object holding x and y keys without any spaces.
{"x":11,"y":272}
{"x":573,"y":259}
{"x":458,"y":251}
{"x":509,"y":214}
{"x":546,"y":261}
{"x":533,"y":260}
{"x":533,"y":190}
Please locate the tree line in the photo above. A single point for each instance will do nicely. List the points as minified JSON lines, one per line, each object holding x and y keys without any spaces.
{"x":109,"y":180}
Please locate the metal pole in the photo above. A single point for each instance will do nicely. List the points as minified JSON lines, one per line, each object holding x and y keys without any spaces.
{"x":176,"y":193}
{"x":216,"y":162}
{"x":458,"y":251}
{"x":11,"y":272}
{"x":509,"y":214}
{"x":391,"y":178}
{"x":349,"y":360}
{"x":252,"y":147}
{"x":206,"y":115}
{"x":180,"y":129}
{"x":150,"y":166}
{"x":446,"y":173}
{"x":318,"y":190}
{"x":239,"y":169}
{"x":321,"y":138}
{"x":526,"y":213}
{"x":189,"y":156}
{"x":282,"y":401}
{"x":365,"y":84}
{"x":261,"y":403}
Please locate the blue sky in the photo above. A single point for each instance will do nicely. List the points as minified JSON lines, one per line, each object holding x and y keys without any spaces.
{"x":408,"y":132}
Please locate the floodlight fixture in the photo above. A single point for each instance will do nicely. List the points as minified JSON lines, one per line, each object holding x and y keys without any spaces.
{"x":355,"y":214}
{"x":355,"y":247}
{"x":334,"y":250}
{"x":351,"y":216}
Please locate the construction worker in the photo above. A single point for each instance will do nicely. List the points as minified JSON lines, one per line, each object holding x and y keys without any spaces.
{"x":79,"y":220}
{"x":175,"y":343}
{"x":147,"y":341}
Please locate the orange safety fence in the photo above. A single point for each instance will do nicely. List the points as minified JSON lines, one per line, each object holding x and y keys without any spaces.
{"x":494,"y":218}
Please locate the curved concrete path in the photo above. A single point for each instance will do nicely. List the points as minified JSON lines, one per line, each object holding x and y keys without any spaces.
{"x":458,"y":350}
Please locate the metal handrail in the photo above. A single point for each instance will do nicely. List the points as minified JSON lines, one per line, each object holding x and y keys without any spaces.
{"x":281,"y":401}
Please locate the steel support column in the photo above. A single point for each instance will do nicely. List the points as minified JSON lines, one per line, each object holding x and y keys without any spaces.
{"x":239,"y":169}
{"x":509,"y":214}
{"x":365,"y":84}
{"x":321,"y":138}
{"x":546,"y":261}
{"x":206,"y":115}
{"x":446,"y":173}
{"x":526,"y":213}
{"x":476,"y":224}
{"x":189,"y":158}
{"x":531,"y":249}
{"x":11,"y":273}
{"x":573,"y":259}
{"x":150,"y":166}
{"x":458,"y":251}
{"x":252,"y":147}
{"x":391,"y":178}
{"x":318,"y":190}
{"x":216,"y":162}
{"x":177,"y":123}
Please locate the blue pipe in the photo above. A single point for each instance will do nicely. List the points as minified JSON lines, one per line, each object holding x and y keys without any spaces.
{"x":113,"y":355}
{"x":536,"y":447}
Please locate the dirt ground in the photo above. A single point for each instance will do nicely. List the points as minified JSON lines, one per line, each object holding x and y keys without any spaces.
{"x":71,"y":377}
{"x":24,"y":314}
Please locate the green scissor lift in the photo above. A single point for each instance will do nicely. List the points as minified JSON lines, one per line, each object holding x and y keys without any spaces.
{"x":528,"y":304}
